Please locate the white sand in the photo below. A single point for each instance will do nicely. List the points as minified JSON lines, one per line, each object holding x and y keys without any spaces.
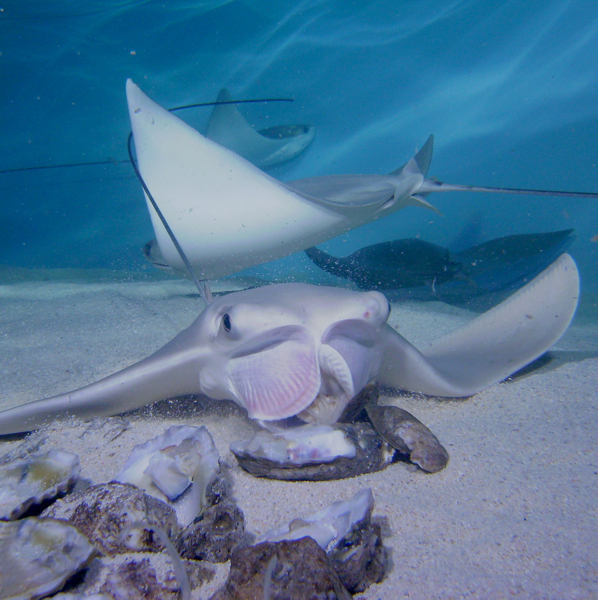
{"x":514,"y":515}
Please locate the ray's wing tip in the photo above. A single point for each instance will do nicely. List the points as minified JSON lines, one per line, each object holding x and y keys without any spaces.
{"x":559,"y":285}
{"x":571,"y":278}
{"x":131,"y":87}
{"x":568,"y":272}
{"x":561,"y":277}
{"x":135,"y":97}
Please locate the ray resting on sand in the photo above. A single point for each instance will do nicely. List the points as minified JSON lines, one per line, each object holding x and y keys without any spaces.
{"x":300,"y":350}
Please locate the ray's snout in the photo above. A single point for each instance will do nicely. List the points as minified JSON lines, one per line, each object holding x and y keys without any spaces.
{"x":376,"y":309}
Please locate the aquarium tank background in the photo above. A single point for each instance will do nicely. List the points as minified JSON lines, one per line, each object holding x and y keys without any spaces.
{"x":509,"y":89}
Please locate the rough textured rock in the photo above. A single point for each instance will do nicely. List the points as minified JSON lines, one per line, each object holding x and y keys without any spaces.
{"x":105,"y":513}
{"x":139,"y":576}
{"x":287,"y":570}
{"x":409,"y":436}
{"x":360,"y":559}
{"x":214,"y":535}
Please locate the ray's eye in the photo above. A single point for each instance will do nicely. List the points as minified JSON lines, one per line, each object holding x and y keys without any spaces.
{"x":226,"y":322}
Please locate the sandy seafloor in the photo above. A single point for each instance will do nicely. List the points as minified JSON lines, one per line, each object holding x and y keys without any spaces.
{"x":514,"y":514}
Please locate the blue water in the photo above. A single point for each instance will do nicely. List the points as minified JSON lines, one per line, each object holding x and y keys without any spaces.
{"x":508,"y":88}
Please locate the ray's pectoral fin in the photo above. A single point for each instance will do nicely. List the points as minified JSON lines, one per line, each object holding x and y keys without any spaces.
{"x":170,"y":372}
{"x":492,"y":346}
{"x":276,"y":382}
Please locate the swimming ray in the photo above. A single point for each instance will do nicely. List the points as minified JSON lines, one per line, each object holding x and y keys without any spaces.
{"x":229,"y":215}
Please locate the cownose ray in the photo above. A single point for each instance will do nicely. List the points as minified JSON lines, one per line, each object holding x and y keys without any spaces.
{"x":301,"y":350}
{"x":229,"y":215}
{"x":265,"y":147}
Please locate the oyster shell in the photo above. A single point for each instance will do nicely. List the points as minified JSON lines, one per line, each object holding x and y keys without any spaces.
{"x":328,"y":526}
{"x":31,"y":481}
{"x":137,"y":577}
{"x":82,"y":597}
{"x":314,"y":452}
{"x":37,"y":556}
{"x":306,"y":444}
{"x":106,"y":513}
{"x":344,"y":530}
{"x":293,"y":570}
{"x":177,"y":467}
{"x":360,"y":558}
{"x":409,"y":436}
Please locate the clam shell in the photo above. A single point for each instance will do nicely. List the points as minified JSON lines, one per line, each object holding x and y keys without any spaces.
{"x":177,"y":467}
{"x":409,"y":436}
{"x":314,"y":452}
{"x":37,"y":556}
{"x":31,"y":481}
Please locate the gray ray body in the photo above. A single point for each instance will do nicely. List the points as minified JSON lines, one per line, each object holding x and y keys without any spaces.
{"x":297,"y":349}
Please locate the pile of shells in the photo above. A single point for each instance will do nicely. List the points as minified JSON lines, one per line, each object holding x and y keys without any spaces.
{"x":125,"y":537}
{"x":168,"y":516}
